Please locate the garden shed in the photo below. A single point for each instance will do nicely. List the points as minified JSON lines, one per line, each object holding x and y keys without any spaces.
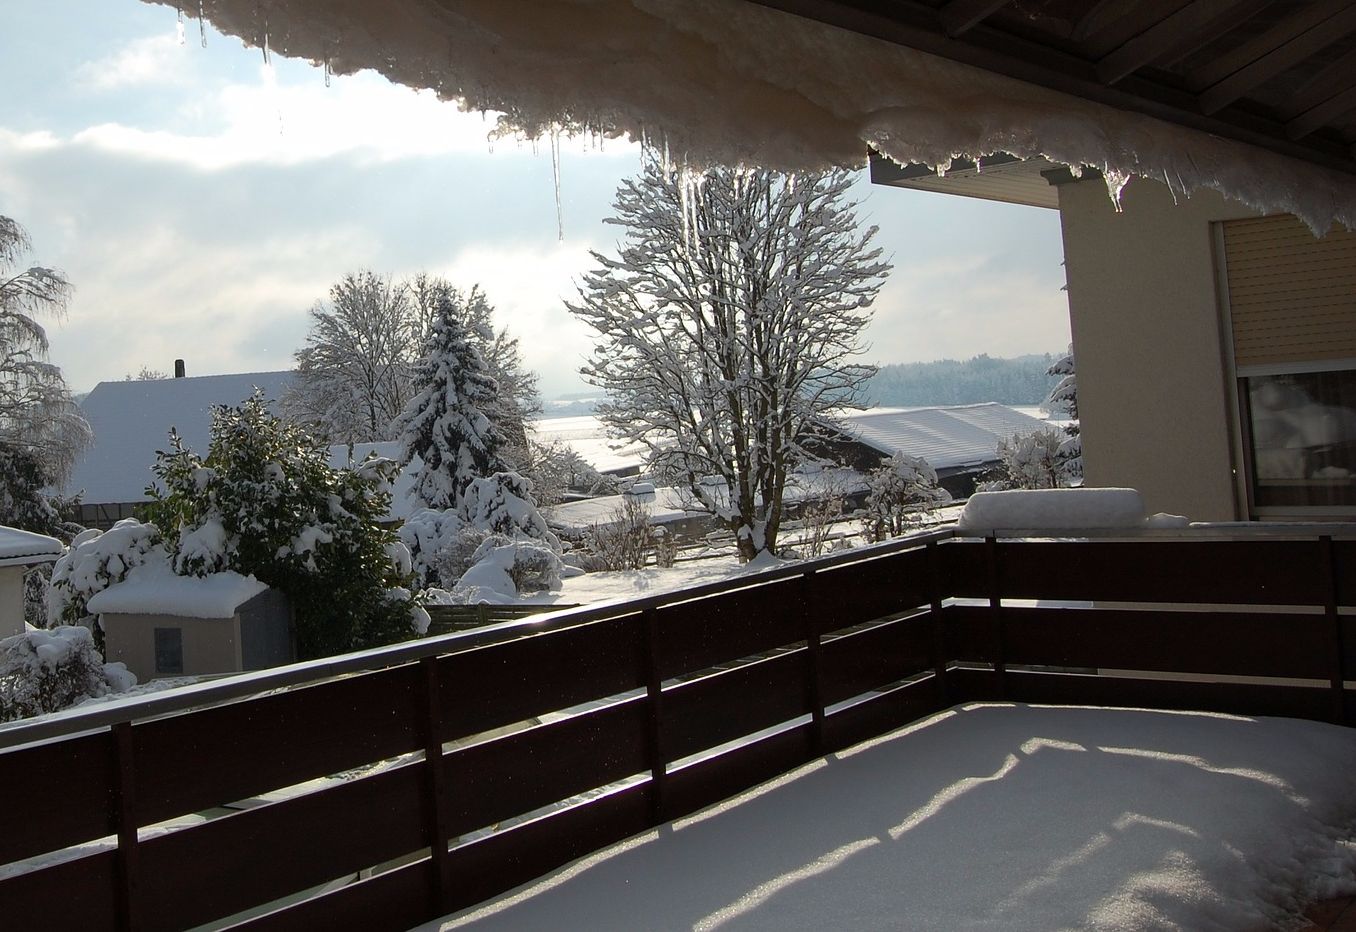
{"x":18,"y":551}
{"x":161,"y":624}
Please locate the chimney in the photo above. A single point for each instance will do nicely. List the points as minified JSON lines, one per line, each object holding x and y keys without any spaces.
{"x":178,"y":368}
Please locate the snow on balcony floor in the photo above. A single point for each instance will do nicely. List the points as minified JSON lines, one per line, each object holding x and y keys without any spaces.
{"x":1001,"y":817}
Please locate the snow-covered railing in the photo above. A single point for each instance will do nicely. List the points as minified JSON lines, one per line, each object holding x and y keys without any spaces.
{"x":409,"y":782}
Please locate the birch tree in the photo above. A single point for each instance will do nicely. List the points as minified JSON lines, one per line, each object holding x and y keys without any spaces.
{"x":730,"y":325}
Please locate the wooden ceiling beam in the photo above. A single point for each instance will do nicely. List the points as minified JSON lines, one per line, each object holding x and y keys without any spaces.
{"x":1280,"y":59}
{"x":960,"y":16}
{"x":1306,"y":18}
{"x":1319,"y":116}
{"x":1102,"y":15}
{"x":1191,"y":21}
{"x":1223,"y":25}
{"x":1334,"y":78}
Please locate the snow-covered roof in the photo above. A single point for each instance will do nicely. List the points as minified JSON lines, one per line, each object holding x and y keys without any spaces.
{"x":154,"y":589}
{"x":947,"y":437}
{"x":587,"y":436}
{"x":24,"y":548}
{"x":664,"y":506}
{"x":738,"y":82}
{"x":131,"y":420}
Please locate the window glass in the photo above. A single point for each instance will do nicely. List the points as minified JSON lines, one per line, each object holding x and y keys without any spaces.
{"x":1302,"y":432}
{"x":169,"y":650}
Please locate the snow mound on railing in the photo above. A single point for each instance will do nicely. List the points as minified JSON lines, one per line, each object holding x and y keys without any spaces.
{"x":1060,"y":510}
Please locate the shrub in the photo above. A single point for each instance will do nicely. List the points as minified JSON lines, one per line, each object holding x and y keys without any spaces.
{"x":46,"y":671}
{"x":903,"y":492}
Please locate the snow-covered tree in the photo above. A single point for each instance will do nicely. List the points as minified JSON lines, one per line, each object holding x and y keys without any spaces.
{"x":444,"y":423}
{"x":1028,"y":461}
{"x":1064,"y":399}
{"x":902,"y":492}
{"x":729,"y":323}
{"x":353,"y":373}
{"x":37,"y":413}
{"x":46,"y":671}
{"x":356,"y":372}
{"x":265,"y":502}
{"x":518,"y":400}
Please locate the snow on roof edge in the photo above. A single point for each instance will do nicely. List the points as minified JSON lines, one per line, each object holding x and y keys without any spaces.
{"x":811,"y":95}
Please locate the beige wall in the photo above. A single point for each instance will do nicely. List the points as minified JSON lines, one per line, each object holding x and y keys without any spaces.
{"x":211,"y":645}
{"x":11,"y":600}
{"x":1144,"y":312}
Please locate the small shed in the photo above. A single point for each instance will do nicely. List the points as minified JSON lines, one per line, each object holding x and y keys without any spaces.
{"x":161,"y":624}
{"x":18,"y":551}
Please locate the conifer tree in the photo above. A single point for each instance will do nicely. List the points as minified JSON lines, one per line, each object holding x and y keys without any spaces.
{"x":445,"y":423}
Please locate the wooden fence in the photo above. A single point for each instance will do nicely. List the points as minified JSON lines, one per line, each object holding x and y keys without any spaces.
{"x":474,"y":762}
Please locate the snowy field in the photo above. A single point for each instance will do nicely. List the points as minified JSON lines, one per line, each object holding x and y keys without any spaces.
{"x":995,"y":817}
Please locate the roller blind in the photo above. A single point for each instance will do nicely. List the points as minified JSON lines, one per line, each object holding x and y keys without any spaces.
{"x":1292,"y":298}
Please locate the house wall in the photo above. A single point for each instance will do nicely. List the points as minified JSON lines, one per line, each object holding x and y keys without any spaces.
{"x":1153,"y":396}
{"x":211,"y":645}
{"x":11,"y":600}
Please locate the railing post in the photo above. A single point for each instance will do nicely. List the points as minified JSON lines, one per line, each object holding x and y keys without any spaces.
{"x":939,"y":657}
{"x":128,"y":918}
{"x":1327,"y":562}
{"x":654,"y":715}
{"x":814,"y":664}
{"x":435,"y":787}
{"x":1000,"y":666}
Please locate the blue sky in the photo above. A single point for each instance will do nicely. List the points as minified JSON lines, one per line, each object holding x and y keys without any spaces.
{"x":201,"y":202}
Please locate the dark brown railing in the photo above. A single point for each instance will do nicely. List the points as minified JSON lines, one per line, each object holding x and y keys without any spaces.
{"x":470,"y":763}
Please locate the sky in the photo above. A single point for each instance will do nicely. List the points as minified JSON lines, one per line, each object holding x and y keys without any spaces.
{"x":202,"y":200}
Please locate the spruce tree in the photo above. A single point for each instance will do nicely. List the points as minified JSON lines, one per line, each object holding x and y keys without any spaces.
{"x":445,"y":423}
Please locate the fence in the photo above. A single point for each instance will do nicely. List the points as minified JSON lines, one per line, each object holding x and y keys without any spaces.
{"x":474,"y":762}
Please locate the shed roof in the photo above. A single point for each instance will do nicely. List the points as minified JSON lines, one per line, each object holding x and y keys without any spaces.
{"x":154,"y":589}
{"x":24,"y":548}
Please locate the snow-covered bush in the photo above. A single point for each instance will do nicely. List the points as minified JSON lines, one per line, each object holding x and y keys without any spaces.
{"x":1064,"y":399}
{"x":266,"y":503}
{"x":94,"y":562}
{"x":462,"y":553}
{"x":503,"y":571}
{"x":902,"y":493}
{"x":1029,"y":461}
{"x":430,"y":535}
{"x":503,"y":503}
{"x":622,"y":542}
{"x":49,"y":670}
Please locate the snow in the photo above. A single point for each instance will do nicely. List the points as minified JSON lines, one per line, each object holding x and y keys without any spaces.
{"x":587,"y":436}
{"x":727,"y":81}
{"x":154,"y":589}
{"x":947,"y":437}
{"x":131,"y":420}
{"x":994,"y":817}
{"x":20,"y":548}
{"x":1052,"y":509}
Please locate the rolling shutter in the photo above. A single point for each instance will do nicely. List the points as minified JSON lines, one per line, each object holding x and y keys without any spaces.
{"x":1292,"y":298}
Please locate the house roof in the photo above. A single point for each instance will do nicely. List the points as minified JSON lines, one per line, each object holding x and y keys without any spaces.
{"x":948,"y":438}
{"x":1252,"y":98}
{"x":24,"y":548}
{"x":131,"y":420}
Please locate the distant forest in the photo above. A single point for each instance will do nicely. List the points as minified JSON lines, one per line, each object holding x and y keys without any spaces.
{"x":1019,"y":381}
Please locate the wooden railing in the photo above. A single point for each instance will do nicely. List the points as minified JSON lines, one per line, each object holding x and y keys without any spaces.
{"x":457,"y":767}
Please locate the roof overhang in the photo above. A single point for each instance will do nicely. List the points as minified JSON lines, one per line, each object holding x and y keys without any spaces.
{"x":997,"y":177}
{"x":1253,"y":98}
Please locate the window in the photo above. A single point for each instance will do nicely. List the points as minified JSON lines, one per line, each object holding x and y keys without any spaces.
{"x":1301,"y":429}
{"x":169,"y":650}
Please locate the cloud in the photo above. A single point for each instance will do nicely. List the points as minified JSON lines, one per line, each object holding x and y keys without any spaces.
{"x":150,"y":60}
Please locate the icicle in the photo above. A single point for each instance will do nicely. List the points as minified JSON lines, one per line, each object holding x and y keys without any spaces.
{"x":555,"y":172}
{"x":328,"y":72}
{"x":202,"y":24}
{"x":267,"y":63}
{"x":179,"y":29}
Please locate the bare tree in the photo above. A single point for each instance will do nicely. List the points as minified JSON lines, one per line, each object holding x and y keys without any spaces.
{"x":353,"y":374}
{"x":730,"y":324}
{"x":37,"y":413}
